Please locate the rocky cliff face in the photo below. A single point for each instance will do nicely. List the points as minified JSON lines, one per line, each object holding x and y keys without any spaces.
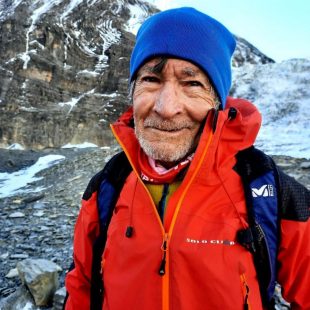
{"x":64,"y":68}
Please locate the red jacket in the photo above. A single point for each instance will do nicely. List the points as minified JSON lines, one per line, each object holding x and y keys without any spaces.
{"x":205,"y":267}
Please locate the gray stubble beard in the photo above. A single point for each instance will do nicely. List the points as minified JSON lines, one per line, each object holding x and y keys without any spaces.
{"x":163,"y":154}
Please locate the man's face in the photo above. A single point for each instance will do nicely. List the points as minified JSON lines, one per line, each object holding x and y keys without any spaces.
{"x":169,"y":107}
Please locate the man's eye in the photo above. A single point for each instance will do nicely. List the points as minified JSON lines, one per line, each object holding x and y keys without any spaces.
{"x":150,"y":79}
{"x":194,"y":83}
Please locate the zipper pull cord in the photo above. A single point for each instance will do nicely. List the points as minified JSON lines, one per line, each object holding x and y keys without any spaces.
{"x":246,"y":299}
{"x":130,"y":230}
{"x":162,"y":267}
{"x":247,"y":292}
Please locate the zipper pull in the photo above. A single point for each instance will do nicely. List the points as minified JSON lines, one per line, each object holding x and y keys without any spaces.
{"x":245,"y":288}
{"x":162,"y":267}
{"x":246,"y":299}
{"x":129,"y":232}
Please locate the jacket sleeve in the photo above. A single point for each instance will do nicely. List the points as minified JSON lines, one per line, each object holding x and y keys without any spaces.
{"x":78,"y":279}
{"x":294,"y":248}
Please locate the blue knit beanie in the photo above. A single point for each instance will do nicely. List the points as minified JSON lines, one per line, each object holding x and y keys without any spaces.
{"x":191,"y":35}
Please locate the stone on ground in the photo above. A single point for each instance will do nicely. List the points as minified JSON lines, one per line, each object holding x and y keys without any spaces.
{"x":41,"y":278}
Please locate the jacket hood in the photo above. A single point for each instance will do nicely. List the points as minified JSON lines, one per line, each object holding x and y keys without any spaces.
{"x":233,"y":129}
{"x":236,"y":129}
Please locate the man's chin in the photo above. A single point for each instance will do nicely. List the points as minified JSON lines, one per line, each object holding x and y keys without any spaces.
{"x":164,"y":153}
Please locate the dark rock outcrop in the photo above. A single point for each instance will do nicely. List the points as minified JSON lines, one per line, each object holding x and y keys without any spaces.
{"x":246,"y":53}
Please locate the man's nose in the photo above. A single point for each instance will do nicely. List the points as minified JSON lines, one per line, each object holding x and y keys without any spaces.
{"x":168,"y":101}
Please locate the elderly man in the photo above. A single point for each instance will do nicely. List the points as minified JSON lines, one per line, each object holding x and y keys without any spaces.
{"x":178,"y":190}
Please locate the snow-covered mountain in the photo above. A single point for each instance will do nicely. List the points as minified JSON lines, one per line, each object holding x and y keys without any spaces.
{"x":281,"y":91}
{"x":64,"y":69}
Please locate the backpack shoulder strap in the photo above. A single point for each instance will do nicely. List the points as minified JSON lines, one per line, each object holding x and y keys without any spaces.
{"x":115,"y":172}
{"x":108,"y":183}
{"x":261,"y":183}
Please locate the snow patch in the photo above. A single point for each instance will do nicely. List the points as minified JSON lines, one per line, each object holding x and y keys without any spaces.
{"x":25,"y":57}
{"x":112,"y":95}
{"x":117,"y":7}
{"x":71,"y":103}
{"x":65,"y":52}
{"x":138,"y":15}
{"x":24,"y":85}
{"x":70,"y":7}
{"x":16,"y":3}
{"x":74,"y":101}
{"x":28,"y":109}
{"x":16,"y":182}
{"x":38,"y":44}
{"x":105,"y":148}
{"x":109,"y":36}
{"x":27,"y":306}
{"x":37,"y":13}
{"x":88,"y":73}
{"x":15,"y":146}
{"x":91,"y":2}
{"x":79,"y":146}
{"x":7,"y":12}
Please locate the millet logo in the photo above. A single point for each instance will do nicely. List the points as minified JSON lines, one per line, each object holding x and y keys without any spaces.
{"x":264,"y":191}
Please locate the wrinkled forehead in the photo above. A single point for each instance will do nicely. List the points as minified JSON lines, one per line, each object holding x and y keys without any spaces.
{"x":158,"y":65}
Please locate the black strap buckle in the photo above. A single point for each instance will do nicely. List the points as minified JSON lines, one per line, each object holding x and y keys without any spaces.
{"x":245,"y":238}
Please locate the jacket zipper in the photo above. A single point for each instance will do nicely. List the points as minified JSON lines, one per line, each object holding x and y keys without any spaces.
{"x":172,"y":224}
{"x":164,"y":272}
{"x":245,"y":291}
{"x":164,"y":265}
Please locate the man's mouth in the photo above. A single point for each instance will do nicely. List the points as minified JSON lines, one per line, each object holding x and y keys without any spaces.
{"x":167,"y":130}
{"x":166,"y":126}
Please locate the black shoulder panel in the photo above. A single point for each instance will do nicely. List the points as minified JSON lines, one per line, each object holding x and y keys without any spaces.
{"x":295,"y":199}
{"x":116,"y":171}
{"x":252,"y":163}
